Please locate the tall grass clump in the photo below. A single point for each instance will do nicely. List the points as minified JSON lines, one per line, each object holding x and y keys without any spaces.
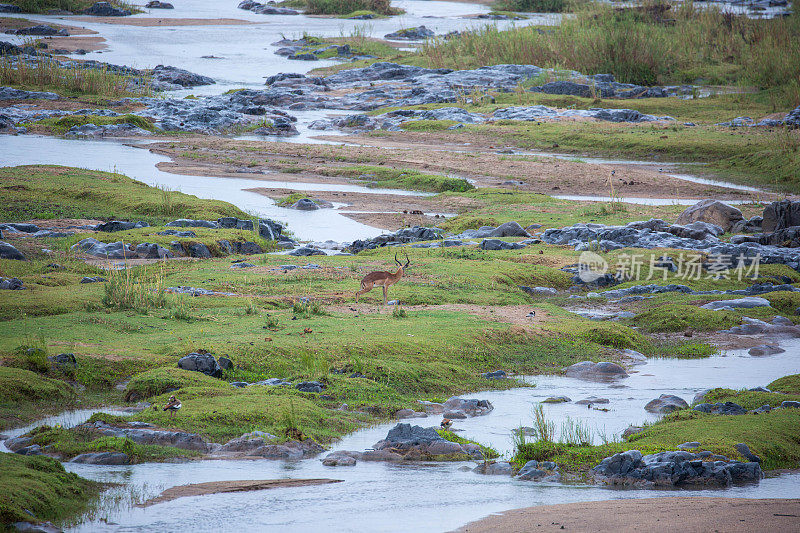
{"x":46,"y":73}
{"x":345,"y":7}
{"x":76,"y":6}
{"x":647,"y":44}
{"x":139,"y":291}
{"x":532,"y":6}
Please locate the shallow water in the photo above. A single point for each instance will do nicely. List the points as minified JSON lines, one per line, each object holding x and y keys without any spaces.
{"x":431,"y":496}
{"x":140,"y":164}
{"x":640,"y":201}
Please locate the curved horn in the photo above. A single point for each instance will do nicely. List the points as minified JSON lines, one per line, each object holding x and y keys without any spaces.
{"x":408,"y":261}
{"x":396,"y":261}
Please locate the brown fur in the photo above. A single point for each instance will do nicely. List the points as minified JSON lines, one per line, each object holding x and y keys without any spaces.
{"x":382,"y":279}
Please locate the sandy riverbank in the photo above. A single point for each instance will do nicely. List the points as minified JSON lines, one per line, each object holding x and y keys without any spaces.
{"x":684,"y":514}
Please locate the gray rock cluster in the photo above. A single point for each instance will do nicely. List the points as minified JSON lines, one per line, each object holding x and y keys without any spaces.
{"x":591,"y":371}
{"x":156,"y":4}
{"x":102,"y":458}
{"x":260,"y":444}
{"x":140,"y":435}
{"x":545,"y":471}
{"x":408,"y":442}
{"x":9,"y":93}
{"x":261,"y":9}
{"x":167,"y":78}
{"x":460,"y":408}
{"x":726,"y":408}
{"x":418,"y":33}
{"x":678,"y":468}
{"x":105,"y":9}
{"x":40,"y":30}
{"x":405,"y":235}
{"x":201,"y":362}
{"x":11,"y":284}
{"x":605,"y":86}
{"x":792,"y":119}
{"x":122,"y":250}
{"x":666,"y":403}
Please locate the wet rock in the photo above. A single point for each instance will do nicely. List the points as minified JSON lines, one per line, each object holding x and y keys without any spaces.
{"x":591,"y":400}
{"x":557,"y":399}
{"x":712,"y":211}
{"x":765,"y":349}
{"x":745,"y":452}
{"x":17,"y":443}
{"x":9,"y":8}
{"x":305,"y":204}
{"x":7,"y":251}
{"x":246,"y":443}
{"x":409,"y":413}
{"x":33,"y":449}
{"x":666,"y":403}
{"x":171,"y":78}
{"x":175,"y":439}
{"x":591,"y":371}
{"x":120,"y":225}
{"x":156,"y":4}
{"x":786,"y":404}
{"x":740,"y":303}
{"x":405,"y":436}
{"x":342,"y":458}
{"x":40,"y":30}
{"x":106,"y":130}
{"x":104,"y":9}
{"x":306,"y":251}
{"x":201,"y":362}
{"x":497,"y":374}
{"x":102,"y":458}
{"x":539,"y":471}
{"x":499,"y":468}
{"x":445,"y":447}
{"x":310,"y":386}
{"x":418,"y":33}
{"x":262,"y":9}
{"x":469,"y":407}
{"x":539,"y":112}
{"x":727,"y":408}
{"x":678,"y":468}
{"x":763,"y":409}
{"x":11,"y":284}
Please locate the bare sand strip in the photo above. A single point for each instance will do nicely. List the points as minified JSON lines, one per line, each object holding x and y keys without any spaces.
{"x":686,"y":515}
{"x":216,"y":487}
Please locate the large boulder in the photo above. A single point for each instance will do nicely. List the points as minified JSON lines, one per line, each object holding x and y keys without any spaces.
{"x":410,"y":34}
{"x":102,"y":458}
{"x":11,"y":284}
{"x":201,"y":362}
{"x":104,"y":9}
{"x":9,"y":252}
{"x":712,"y":211}
{"x":120,"y":225}
{"x":179,"y":76}
{"x":509,"y":229}
{"x":591,"y":371}
{"x":780,"y":215}
{"x":727,"y":408}
{"x":666,"y":403}
{"x":463,"y":408}
{"x":739,"y":303}
{"x":174,"y":439}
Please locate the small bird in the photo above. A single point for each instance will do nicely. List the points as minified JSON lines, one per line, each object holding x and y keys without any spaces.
{"x":446,"y":423}
{"x":613,"y":172}
{"x":172,"y":406}
{"x":532,"y":314}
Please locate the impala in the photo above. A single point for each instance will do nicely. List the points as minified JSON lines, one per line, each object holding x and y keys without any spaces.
{"x":382,"y":279}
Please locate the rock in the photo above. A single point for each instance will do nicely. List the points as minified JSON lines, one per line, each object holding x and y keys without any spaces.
{"x":792,"y":119}
{"x":95,"y":279}
{"x":497,"y":374}
{"x":187,"y":222}
{"x":666,"y":403}
{"x":40,"y":30}
{"x":590,"y":371}
{"x":201,"y":362}
{"x":306,"y":251}
{"x":745,"y":452}
{"x":727,"y":408}
{"x":9,"y":252}
{"x":225,"y":363}
{"x":242,"y":265}
{"x":40,"y":527}
{"x":509,"y":229}
{"x":591,"y":400}
{"x":381,"y":455}
{"x":445,"y":447}
{"x":689,"y":445}
{"x":740,"y":303}
{"x":765,"y":349}
{"x":175,"y":439}
{"x":104,"y":9}
{"x":557,"y":399}
{"x":781,"y":215}
{"x":197,"y":249}
{"x":500,"y":468}
{"x":677,"y":468}
{"x":539,"y":291}
{"x":11,"y":284}
{"x":9,"y":8}
{"x":17,"y":443}
{"x":310,"y":386}
{"x":102,"y":458}
{"x":631,"y":430}
{"x":409,"y":413}
{"x":149,"y":250}
{"x":120,"y":225}
{"x":787,"y":404}
{"x":64,"y":359}
{"x":405,"y":436}
{"x":156,"y":4}
{"x":496,"y":244}
{"x":418,"y":33}
{"x":341,"y":458}
{"x":713,"y":211}
{"x":247,"y":443}
{"x":763,"y":409}
{"x":305,"y":204}
{"x":8,"y":93}
{"x":470,"y":407}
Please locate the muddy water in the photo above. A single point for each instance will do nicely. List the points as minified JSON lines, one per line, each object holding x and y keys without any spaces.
{"x":430,"y":496}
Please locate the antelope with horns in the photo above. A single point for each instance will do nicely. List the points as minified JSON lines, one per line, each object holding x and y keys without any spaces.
{"x":382,"y":279}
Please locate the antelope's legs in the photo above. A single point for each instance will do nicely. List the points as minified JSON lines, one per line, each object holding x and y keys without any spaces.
{"x":364,"y":289}
{"x":384,"y":294}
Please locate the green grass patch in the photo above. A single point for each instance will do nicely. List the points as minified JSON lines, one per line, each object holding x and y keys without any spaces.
{"x":533,"y":6}
{"x":488,"y":451}
{"x":788,"y":384}
{"x":344,"y":7}
{"x":402,"y":178}
{"x":748,"y":399}
{"x":162,"y":380}
{"x":679,"y":317}
{"x":41,"y":485}
{"x":24,"y":394}
{"x":63,"y":124}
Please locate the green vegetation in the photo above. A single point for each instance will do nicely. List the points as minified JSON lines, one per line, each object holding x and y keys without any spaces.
{"x":347,"y":7}
{"x":680,"y":317}
{"x":488,"y":451}
{"x":787,"y":384}
{"x":533,"y":6}
{"x":749,"y":399}
{"x":46,"y":74}
{"x":401,"y":178}
{"x":772,"y":436}
{"x":41,"y":486}
{"x":23,"y":393}
{"x":160,"y":380}
{"x":45,"y":191}
{"x":63,"y":124}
